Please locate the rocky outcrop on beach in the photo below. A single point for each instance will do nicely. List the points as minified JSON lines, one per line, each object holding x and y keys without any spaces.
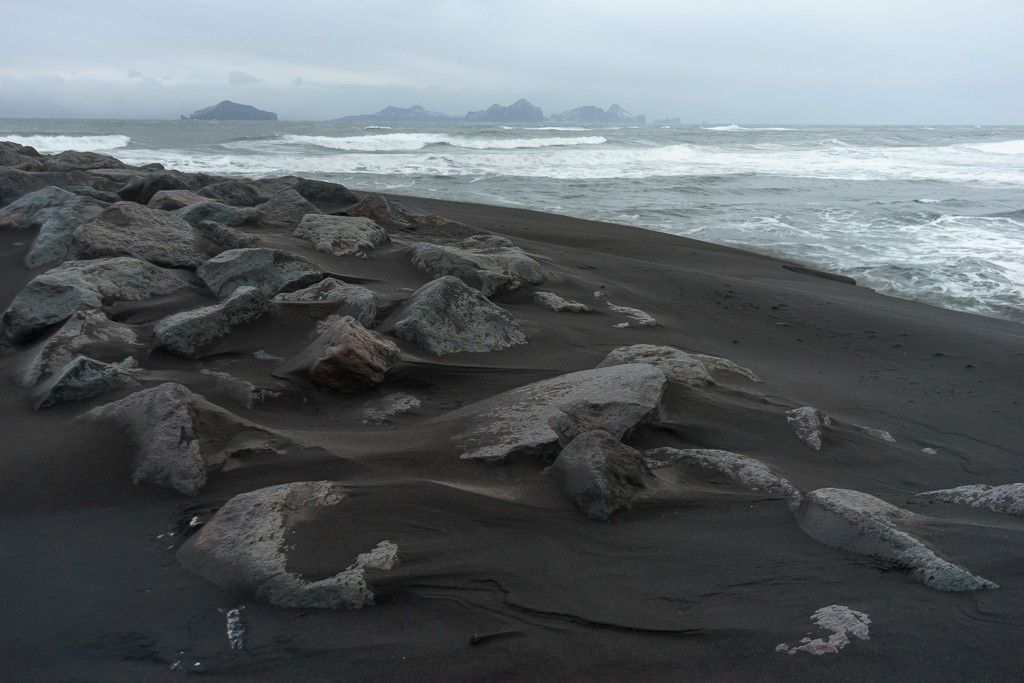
{"x":338,"y":401}
{"x":231,"y":111}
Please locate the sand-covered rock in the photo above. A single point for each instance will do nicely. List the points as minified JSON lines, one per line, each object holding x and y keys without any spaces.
{"x":130,"y":229}
{"x":553,"y":302}
{"x":864,"y":524}
{"x":341,"y":235}
{"x":1007,"y":498}
{"x":82,"y":333}
{"x":55,"y":295}
{"x":243,"y":549}
{"x":84,"y":378}
{"x":489,"y":263}
{"x":809,"y":424}
{"x":599,"y":474}
{"x":842,"y":621}
{"x":693,"y":369}
{"x":191,"y":333}
{"x":269,"y":270}
{"x":355,"y":300}
{"x":378,"y":411}
{"x":179,"y":437}
{"x":538,"y":419}
{"x":743,"y":470}
{"x":448,"y":316}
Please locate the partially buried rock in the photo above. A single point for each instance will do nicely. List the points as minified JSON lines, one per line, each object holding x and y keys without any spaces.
{"x":539,"y":419}
{"x":345,"y":356}
{"x":750,"y":473}
{"x":378,"y":411}
{"x":448,"y":316}
{"x":553,"y":302}
{"x":354,"y":300}
{"x":130,"y":229}
{"x":194,"y":214}
{"x":693,"y":369}
{"x":489,"y":263}
{"x":84,"y":331}
{"x":863,"y":524}
{"x":269,"y":270}
{"x":179,"y":436}
{"x":55,"y":295}
{"x":84,"y":378}
{"x":809,"y":424}
{"x":243,"y":549}
{"x":341,"y":235}
{"x":358,"y":360}
{"x":599,"y":474}
{"x":1007,"y":498}
{"x":191,"y":333}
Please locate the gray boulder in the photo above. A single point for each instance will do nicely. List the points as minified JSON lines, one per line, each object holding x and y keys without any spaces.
{"x":55,"y":235}
{"x":488,"y":263}
{"x":192,"y":333}
{"x":341,"y":235}
{"x":235,"y":193}
{"x":129,"y":229}
{"x":83,"y":332}
{"x":269,"y":270}
{"x":55,"y":295}
{"x":288,"y":206}
{"x":1008,"y":498}
{"x":359,"y":302}
{"x":693,"y":369}
{"x":84,"y":378}
{"x":599,"y":474}
{"x":226,"y":236}
{"x":30,"y":210}
{"x":863,"y":524}
{"x":243,"y":549}
{"x":742,"y":470}
{"x":194,"y":214}
{"x":448,"y":316}
{"x":539,"y":418}
{"x":809,"y":424}
{"x":143,"y":188}
{"x":179,"y":437}
{"x":171,"y":200}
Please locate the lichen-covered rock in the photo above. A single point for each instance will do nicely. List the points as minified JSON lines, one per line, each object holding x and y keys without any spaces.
{"x":55,"y":295}
{"x":83,"y":331}
{"x":243,"y":549}
{"x":842,"y":621}
{"x":600,"y":475}
{"x":539,"y":418}
{"x":378,"y":411}
{"x":191,"y":333}
{"x":269,"y":270}
{"x":693,"y":369}
{"x":130,"y":229}
{"x":341,"y":235}
{"x":84,"y":378}
{"x":743,"y":470}
{"x":288,"y":206}
{"x":354,"y":300}
{"x":809,"y":424}
{"x":448,"y":316}
{"x":179,"y":436}
{"x":863,"y":524}
{"x":1007,"y":498}
{"x":488,"y":263}
{"x":553,"y":302}
{"x":356,"y":360}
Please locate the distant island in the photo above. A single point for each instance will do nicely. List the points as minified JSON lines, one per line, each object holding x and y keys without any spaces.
{"x":231,"y":111}
{"x":521,"y":111}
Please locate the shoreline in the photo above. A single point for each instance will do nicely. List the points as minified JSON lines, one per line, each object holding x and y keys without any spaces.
{"x":501,"y":574}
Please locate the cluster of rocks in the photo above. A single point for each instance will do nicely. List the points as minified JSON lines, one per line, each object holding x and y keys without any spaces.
{"x":110,"y":234}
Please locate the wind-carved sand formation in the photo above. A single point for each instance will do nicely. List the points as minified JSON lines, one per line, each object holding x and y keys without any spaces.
{"x":365,"y":401}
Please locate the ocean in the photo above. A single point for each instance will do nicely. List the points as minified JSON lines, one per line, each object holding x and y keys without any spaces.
{"x":934,"y":214}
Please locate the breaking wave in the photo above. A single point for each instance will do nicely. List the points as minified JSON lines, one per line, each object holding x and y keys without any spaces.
{"x":411,"y":142}
{"x":52,"y":144}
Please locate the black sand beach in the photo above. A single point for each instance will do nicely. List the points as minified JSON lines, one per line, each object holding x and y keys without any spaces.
{"x":702,"y":574}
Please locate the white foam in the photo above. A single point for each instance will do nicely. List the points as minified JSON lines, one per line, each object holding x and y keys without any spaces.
{"x":410,"y":142}
{"x":52,"y":144}
{"x":1005,"y":147}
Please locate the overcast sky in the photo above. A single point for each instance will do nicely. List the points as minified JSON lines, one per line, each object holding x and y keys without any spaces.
{"x":745,"y":61}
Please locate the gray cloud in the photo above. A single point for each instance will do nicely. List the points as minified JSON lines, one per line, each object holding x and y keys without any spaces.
{"x":874,"y":61}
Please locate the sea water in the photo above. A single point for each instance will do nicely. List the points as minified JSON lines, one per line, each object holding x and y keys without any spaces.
{"x":934,"y":214}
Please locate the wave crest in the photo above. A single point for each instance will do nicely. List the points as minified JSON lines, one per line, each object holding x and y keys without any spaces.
{"x":52,"y":144}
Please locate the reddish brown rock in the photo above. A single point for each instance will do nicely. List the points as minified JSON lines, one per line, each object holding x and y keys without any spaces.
{"x":360,"y":358}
